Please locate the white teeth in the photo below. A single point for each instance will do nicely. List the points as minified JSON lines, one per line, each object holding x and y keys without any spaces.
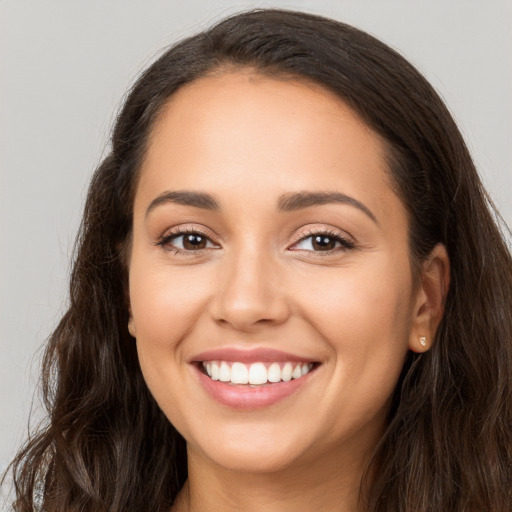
{"x":256,"y":373}
{"x":286,"y":372}
{"x":239,"y":374}
{"x":274,"y":373}
{"x":224,"y":372}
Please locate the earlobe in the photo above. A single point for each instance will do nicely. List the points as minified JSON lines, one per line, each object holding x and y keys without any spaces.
{"x":131,"y":323}
{"x":131,"y":327}
{"x":431,"y":296}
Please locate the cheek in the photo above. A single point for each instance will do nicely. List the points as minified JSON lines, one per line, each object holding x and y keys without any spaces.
{"x":351,"y":305}
{"x":366,"y":323}
{"x":165,"y":306}
{"x":164,"y":303}
{"x":365,"y":318}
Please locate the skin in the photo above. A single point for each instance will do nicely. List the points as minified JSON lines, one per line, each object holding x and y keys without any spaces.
{"x":247,"y":140}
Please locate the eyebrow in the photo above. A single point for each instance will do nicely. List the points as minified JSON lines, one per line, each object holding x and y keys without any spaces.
{"x":286,"y":203}
{"x":300,"y":200}
{"x":185,"y":198}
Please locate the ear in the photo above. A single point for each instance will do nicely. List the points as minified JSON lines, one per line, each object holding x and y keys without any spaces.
{"x":131,"y":323}
{"x":434,"y":282}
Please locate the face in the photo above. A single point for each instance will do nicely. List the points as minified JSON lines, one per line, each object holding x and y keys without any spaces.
{"x":271,"y":294}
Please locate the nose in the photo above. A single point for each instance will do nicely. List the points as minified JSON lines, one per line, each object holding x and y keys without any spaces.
{"x":250,"y":294}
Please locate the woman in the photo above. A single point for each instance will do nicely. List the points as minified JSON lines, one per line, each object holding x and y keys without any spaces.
{"x":289,"y":291}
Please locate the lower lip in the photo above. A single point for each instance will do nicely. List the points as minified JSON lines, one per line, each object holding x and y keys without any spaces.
{"x":247,"y":397}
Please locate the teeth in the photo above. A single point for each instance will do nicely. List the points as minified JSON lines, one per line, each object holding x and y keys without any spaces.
{"x":274,"y":372}
{"x":239,"y":374}
{"x":224,"y":372}
{"x":256,"y":373}
{"x":215,"y":371}
{"x":286,"y":372}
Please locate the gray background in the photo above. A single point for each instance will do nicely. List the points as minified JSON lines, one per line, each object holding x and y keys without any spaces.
{"x":64,"y":69}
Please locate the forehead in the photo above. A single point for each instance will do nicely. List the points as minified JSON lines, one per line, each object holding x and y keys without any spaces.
{"x":244,"y":130}
{"x":248,"y":96}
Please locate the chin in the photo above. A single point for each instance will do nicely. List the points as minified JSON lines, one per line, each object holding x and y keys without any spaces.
{"x":265,"y":452}
{"x":251,"y":460}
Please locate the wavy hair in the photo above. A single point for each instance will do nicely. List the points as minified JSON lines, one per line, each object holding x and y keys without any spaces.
{"x":448,"y":446}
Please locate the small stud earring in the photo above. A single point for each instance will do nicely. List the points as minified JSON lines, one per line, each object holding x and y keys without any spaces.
{"x":423,"y":341}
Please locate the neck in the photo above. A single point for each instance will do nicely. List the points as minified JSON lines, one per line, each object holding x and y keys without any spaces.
{"x":331,"y":482}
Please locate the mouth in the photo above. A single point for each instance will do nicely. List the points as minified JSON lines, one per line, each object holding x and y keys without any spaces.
{"x":251,"y":379}
{"x":262,"y":373}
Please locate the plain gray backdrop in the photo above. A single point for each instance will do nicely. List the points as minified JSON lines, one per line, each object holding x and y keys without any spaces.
{"x":64,"y":69}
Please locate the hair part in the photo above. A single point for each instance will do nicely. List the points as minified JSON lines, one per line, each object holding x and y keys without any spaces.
{"x":108,"y":447}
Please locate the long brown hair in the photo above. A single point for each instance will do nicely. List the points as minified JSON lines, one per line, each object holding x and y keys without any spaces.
{"x":448,"y":446}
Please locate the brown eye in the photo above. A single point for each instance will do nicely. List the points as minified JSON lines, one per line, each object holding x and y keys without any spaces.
{"x":323,"y":243}
{"x":187,"y":242}
{"x":194,"y":242}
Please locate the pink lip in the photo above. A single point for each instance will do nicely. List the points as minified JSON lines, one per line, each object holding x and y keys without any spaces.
{"x":257,"y":355}
{"x":247,"y":397}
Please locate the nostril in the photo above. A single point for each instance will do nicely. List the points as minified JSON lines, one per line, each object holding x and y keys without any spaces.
{"x":247,"y":316}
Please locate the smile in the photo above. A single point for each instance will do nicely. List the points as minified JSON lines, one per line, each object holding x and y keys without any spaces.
{"x":251,"y":379}
{"x":255,"y":374}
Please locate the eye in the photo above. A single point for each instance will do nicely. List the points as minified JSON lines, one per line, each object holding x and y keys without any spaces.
{"x":188,"y":241}
{"x":323,"y":242}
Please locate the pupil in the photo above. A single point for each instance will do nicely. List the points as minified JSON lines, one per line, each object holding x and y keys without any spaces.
{"x":323,"y":243}
{"x":194,"y":242}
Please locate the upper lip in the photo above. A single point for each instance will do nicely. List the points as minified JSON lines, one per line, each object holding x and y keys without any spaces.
{"x":261,"y":355}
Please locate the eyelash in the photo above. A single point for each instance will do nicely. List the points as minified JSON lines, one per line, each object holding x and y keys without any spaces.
{"x":336,"y":236}
{"x":344,"y":243}
{"x":165,"y":241}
